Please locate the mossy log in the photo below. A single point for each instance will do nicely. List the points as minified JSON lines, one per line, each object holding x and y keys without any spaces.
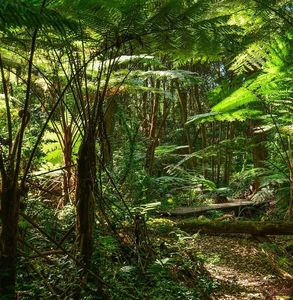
{"x":247,"y":227}
{"x":236,"y":206}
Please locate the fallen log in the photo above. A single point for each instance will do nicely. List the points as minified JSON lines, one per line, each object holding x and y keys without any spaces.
{"x":247,"y":227}
{"x":236,"y":206}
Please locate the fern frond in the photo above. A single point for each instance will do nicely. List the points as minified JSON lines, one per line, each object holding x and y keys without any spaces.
{"x":239,"y":98}
{"x":251,"y":59}
{"x":19,"y":13}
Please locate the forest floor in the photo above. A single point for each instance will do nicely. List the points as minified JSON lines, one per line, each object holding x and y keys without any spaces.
{"x":247,"y":268}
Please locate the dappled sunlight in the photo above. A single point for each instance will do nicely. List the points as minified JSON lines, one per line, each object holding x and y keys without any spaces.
{"x":241,"y":269}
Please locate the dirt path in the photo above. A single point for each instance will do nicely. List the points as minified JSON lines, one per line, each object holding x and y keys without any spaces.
{"x":245,"y":268}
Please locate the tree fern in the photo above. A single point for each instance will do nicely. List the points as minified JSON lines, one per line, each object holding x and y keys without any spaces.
{"x":28,"y":13}
{"x":269,"y":86}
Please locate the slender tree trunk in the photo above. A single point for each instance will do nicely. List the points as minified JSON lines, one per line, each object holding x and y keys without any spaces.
{"x":67,"y":157}
{"x":108,"y":129}
{"x":204,"y":145}
{"x":202,"y":128}
{"x":228,"y":155}
{"x":290,"y":211}
{"x":183,"y":108}
{"x":220,"y":156}
{"x":150,"y":154}
{"x":259,"y":152}
{"x":8,"y":240}
{"x":213,"y":127}
{"x":290,"y":162}
{"x":145,"y":123}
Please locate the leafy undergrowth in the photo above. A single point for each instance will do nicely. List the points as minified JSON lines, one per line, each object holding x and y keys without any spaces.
{"x":174,"y":272}
{"x":153,"y":267}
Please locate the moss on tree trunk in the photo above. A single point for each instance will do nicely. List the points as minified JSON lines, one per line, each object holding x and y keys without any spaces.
{"x":247,"y":227}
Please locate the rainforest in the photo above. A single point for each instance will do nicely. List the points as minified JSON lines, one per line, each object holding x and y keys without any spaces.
{"x":146,"y":149}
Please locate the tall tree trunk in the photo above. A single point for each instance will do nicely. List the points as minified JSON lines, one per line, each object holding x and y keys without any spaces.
{"x":85,"y":197}
{"x":8,"y":240}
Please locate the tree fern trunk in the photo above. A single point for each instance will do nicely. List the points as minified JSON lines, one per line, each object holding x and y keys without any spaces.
{"x":85,"y":198}
{"x":8,"y":240}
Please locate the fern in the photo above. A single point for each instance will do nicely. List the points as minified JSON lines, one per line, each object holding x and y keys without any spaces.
{"x":27,"y":13}
{"x":269,"y":87}
{"x":239,"y":98}
{"x":52,"y":149}
{"x":251,"y":59}
{"x":240,"y":115}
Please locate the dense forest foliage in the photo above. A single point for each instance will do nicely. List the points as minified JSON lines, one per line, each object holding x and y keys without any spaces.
{"x":120,"y":118}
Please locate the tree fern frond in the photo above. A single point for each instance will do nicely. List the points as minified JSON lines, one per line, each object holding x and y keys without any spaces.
{"x":240,"y":115}
{"x":27,"y":13}
{"x":253,"y":58}
{"x":239,"y":98}
{"x":202,"y":118}
{"x":169,"y":74}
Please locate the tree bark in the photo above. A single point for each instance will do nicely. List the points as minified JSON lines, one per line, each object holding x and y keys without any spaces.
{"x":67,"y":157}
{"x":290,"y":165}
{"x":290,"y":210}
{"x":10,"y":200}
